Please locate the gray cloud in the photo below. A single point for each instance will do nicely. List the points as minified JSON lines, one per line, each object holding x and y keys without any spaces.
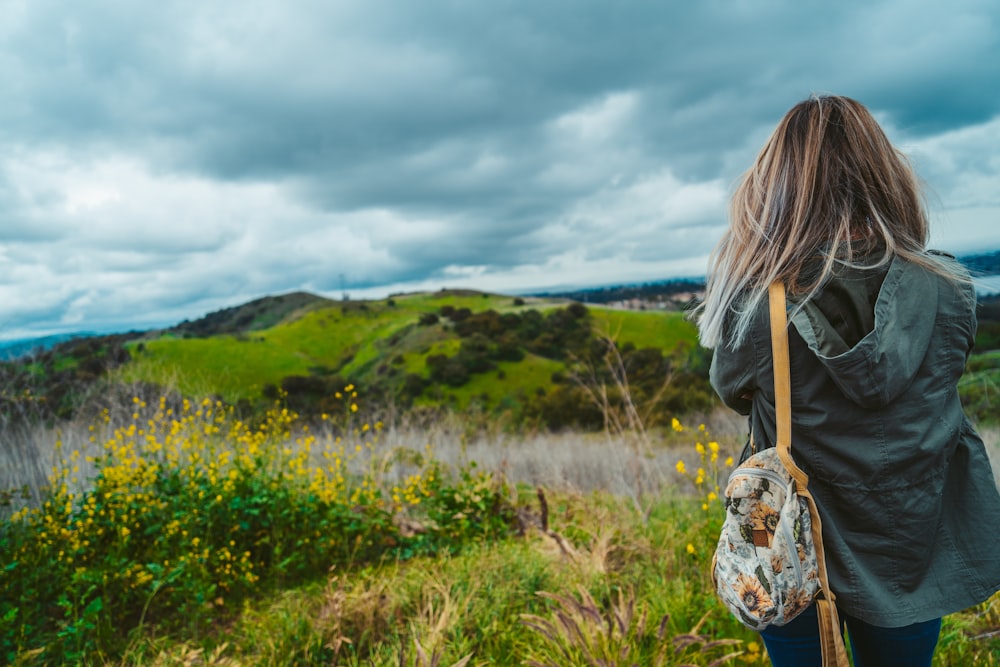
{"x":167,"y":158}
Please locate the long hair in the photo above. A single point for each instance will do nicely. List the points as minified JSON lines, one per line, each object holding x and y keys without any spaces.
{"x":828,"y":188}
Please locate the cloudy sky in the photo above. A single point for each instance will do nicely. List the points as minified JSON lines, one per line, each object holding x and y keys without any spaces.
{"x":159,"y":160}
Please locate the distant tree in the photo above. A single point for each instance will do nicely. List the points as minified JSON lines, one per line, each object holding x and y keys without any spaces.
{"x":487,"y":323}
{"x":413,"y":386}
{"x":447,"y":370}
{"x":508,"y":350}
{"x":566,"y":406}
{"x":475,"y":354}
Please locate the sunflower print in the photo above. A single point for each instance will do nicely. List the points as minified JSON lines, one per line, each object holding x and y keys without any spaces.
{"x":752,"y":594}
{"x":796,"y":601}
{"x":777,"y":562}
{"x":763,"y":517}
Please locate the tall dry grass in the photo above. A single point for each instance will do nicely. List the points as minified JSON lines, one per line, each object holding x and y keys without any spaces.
{"x":568,"y":461}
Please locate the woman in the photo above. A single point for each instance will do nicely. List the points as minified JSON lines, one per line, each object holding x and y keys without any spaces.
{"x":880,"y":329}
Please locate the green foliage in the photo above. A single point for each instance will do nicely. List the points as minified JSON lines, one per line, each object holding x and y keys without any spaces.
{"x":979,"y":387}
{"x":480,"y":602}
{"x":53,"y":384}
{"x":988,"y":331}
{"x":988,"y":336}
{"x":444,"y":583}
{"x":192,"y":511}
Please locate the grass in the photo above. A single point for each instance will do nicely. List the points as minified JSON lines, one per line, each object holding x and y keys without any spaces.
{"x":238,"y":367}
{"x":483,"y":601}
{"x":361,"y":340}
{"x":355,"y":544}
{"x":644,"y":328}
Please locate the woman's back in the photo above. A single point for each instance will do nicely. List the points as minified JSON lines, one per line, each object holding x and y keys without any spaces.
{"x":879,"y":429}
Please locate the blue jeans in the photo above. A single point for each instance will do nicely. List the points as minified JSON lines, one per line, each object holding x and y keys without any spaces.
{"x":797,"y":644}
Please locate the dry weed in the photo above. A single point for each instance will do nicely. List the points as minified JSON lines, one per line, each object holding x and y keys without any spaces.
{"x":583,"y":633}
{"x":439,"y":611}
{"x":358,"y":617}
{"x":187,"y":656}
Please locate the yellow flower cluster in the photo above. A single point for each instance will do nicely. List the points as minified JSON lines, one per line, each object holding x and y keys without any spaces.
{"x":205,"y":452}
{"x":706,"y":477}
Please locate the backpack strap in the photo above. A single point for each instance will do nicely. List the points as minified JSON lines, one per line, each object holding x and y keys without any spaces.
{"x":831,"y":639}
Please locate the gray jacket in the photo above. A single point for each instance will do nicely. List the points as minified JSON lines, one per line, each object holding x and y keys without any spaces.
{"x":910,"y":507}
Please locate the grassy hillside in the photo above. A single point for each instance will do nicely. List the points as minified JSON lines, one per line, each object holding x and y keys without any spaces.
{"x":493,"y":353}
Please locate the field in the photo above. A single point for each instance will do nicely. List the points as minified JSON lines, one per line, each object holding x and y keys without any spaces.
{"x":291,"y":518}
{"x":174,"y":534}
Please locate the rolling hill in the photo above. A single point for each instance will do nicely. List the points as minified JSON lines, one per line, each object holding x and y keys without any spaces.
{"x":475,"y":353}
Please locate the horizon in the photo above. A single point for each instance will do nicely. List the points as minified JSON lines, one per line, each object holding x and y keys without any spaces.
{"x":986,"y":286}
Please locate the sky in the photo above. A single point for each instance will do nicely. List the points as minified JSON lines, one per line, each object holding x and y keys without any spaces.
{"x":161,"y":160}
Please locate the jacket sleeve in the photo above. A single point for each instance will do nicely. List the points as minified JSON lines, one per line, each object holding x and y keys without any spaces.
{"x":732,"y":375}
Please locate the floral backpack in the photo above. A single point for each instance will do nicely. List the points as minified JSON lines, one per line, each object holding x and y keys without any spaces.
{"x":769,"y":565}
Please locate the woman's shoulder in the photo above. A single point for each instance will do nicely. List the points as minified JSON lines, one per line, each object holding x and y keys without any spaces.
{"x":944,"y":276}
{"x":922,"y":295}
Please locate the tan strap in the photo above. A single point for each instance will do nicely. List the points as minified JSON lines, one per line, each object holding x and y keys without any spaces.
{"x":783,"y":383}
{"x":831,"y":639}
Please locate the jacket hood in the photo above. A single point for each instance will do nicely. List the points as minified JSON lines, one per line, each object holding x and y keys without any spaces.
{"x":877,"y":369}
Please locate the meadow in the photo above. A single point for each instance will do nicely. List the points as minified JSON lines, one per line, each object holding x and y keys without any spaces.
{"x":475,"y":518}
{"x":173,"y":532}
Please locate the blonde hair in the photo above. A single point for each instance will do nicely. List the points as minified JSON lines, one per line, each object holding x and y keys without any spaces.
{"x":827,"y":188}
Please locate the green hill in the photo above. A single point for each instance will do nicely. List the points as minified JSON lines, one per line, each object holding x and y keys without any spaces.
{"x":464,"y":350}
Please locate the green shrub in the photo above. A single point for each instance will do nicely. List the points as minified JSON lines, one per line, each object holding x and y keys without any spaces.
{"x":190,"y":513}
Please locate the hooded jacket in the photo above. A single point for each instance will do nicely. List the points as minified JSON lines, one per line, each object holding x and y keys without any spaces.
{"x":903,"y":484}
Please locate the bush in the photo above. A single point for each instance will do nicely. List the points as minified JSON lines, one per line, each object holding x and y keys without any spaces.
{"x":191,"y":512}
